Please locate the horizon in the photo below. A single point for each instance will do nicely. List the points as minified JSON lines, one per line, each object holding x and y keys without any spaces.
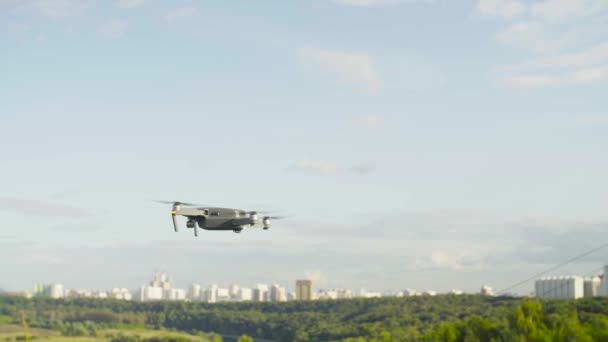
{"x":425,"y":144}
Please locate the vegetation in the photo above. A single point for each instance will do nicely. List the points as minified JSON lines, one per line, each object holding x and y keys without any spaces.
{"x":440,"y":318}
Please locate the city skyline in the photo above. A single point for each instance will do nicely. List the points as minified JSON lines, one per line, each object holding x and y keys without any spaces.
{"x":428,"y":144}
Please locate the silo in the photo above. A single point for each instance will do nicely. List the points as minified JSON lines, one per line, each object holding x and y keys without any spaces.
{"x":579,"y":291}
{"x":543,"y":288}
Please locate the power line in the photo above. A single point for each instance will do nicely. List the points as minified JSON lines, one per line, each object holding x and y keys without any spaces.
{"x":571,"y":260}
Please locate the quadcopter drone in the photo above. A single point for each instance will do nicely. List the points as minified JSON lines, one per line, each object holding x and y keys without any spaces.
{"x":210,"y":218}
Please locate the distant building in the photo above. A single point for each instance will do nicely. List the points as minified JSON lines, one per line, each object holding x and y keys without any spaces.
{"x":234,"y":291}
{"x":211,"y":294}
{"x":194,"y":294}
{"x":560,"y":287}
{"x":604,"y":283}
{"x":123,"y":294}
{"x":591,"y":287}
{"x":304,"y":290}
{"x":260,"y":293}
{"x":410,"y":293}
{"x":277,"y":293}
{"x":147,"y":293}
{"x":487,"y":291}
{"x":429,"y":293}
{"x":455,"y":292}
{"x":55,"y":291}
{"x":223,"y":294}
{"x":245,"y":294}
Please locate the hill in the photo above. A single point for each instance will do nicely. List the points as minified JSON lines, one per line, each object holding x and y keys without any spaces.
{"x":440,"y":318}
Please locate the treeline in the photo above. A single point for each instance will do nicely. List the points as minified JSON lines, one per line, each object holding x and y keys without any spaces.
{"x":439,"y":318}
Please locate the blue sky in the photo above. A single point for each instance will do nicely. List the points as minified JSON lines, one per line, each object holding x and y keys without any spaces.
{"x":423,"y":144}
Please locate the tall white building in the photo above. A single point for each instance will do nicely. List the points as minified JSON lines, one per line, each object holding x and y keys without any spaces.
{"x":260,"y":293}
{"x":147,"y":293}
{"x":194,"y":294}
{"x":604,"y":283}
{"x":234,"y":291}
{"x":56,"y":291}
{"x":560,"y":287}
{"x":121,"y":293}
{"x":211,"y":294}
{"x":223,"y":294}
{"x":277,"y":294}
{"x":245,"y":294}
{"x":591,"y":287}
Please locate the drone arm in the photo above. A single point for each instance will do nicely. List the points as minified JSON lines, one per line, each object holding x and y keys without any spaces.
{"x":173,"y":216}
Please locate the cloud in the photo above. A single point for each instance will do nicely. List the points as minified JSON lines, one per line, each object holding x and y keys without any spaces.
{"x":566,"y":9}
{"x":114,"y":29}
{"x":316,"y":166}
{"x":592,"y":55}
{"x":502,"y":8}
{"x":365,"y":3}
{"x":565,"y":33}
{"x":581,"y":76}
{"x":377,"y":3}
{"x":330,"y":168}
{"x":58,"y":8}
{"x":180,"y":13}
{"x":353,"y":67}
{"x":372,"y":120}
{"x":362,"y":169}
{"x":534,"y":36}
{"x":41,"y":208}
{"x":130,"y":3}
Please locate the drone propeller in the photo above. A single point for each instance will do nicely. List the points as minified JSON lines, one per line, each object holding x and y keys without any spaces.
{"x":180,"y":203}
{"x":276,"y":217}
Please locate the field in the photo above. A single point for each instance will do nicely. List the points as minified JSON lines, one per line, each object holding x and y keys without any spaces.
{"x":11,"y":332}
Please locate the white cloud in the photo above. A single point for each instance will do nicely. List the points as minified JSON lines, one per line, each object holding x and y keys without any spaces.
{"x":593,"y":55}
{"x":580,"y":76}
{"x":114,"y":29}
{"x":58,"y":8}
{"x":365,"y":3}
{"x":502,"y":8}
{"x":372,"y":120}
{"x":41,"y":208}
{"x":350,"y":66}
{"x":316,"y":166}
{"x":180,"y":13}
{"x":130,"y":3}
{"x":564,"y":9}
{"x":565,"y":33}
{"x":534,"y":36}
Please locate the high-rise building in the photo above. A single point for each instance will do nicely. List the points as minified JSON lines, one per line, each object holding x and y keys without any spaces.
{"x":56,"y":291}
{"x":303,"y":290}
{"x":604,"y":283}
{"x":277,"y":293}
{"x":560,"y":287}
{"x":234,"y":291}
{"x":211,"y":294}
{"x":194,"y":294}
{"x":260,"y":293}
{"x":591,"y":287}
{"x":245,"y":294}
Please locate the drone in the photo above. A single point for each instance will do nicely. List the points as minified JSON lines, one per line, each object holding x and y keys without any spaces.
{"x":212,"y":218}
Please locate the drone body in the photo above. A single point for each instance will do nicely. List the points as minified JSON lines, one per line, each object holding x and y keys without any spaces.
{"x":212,"y":218}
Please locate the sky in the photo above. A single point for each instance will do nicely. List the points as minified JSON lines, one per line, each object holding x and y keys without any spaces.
{"x":430,"y":144}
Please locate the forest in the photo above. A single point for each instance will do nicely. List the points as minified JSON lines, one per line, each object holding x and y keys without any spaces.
{"x":438,"y":318}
